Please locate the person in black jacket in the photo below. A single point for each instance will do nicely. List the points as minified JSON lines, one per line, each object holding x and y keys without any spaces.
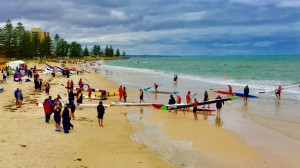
{"x":101,"y":112}
{"x":219,"y":104}
{"x":66,"y":115}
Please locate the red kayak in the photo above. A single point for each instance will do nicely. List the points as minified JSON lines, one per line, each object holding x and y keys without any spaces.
{"x":205,"y":110}
{"x":158,"y":106}
{"x":221,"y":91}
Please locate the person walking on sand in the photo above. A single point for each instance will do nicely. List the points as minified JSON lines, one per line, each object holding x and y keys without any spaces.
{"x":124,"y":94}
{"x":219,"y":104}
{"x":20,"y":98}
{"x":195,"y":106}
{"x":101,"y":112}
{"x":278,"y":91}
{"x":120,"y":93}
{"x":141,"y":96}
{"x":16,"y":96}
{"x":246,"y":93}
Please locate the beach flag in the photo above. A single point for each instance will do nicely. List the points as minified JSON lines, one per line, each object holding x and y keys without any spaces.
{"x":225,"y":72}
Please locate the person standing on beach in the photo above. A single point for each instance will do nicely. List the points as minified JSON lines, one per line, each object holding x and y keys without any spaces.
{"x":101,"y":112}
{"x":47,"y":110}
{"x":47,"y":88}
{"x":155,"y":86}
{"x":278,"y":91}
{"x":188,"y":99}
{"x":178,"y":101}
{"x":219,"y":104}
{"x":175,"y":79}
{"x":40,"y":83}
{"x":90,"y":93}
{"x":124,"y":94}
{"x":120,"y":92}
{"x":71,"y":97}
{"x":195,"y":107}
{"x":79,"y":97}
{"x":141,"y":96}
{"x":206,"y":98}
{"x":4,"y":78}
{"x":57,"y":118}
{"x":71,"y":84}
{"x":246,"y":93}
{"x":80,"y":83}
{"x":66,"y":115}
{"x":230,"y":90}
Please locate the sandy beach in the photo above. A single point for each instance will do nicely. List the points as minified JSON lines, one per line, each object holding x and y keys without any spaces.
{"x":27,"y":141}
{"x":130,"y":134}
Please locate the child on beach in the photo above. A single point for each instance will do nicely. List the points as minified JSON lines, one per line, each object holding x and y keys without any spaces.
{"x":101,"y":112}
{"x":141,"y":96}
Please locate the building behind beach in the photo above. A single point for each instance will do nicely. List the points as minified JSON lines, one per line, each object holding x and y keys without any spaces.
{"x":38,"y":31}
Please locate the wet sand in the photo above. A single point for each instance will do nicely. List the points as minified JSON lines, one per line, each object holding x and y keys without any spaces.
{"x":258,"y":133}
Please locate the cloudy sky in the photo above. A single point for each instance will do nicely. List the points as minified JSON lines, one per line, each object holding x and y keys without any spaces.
{"x":167,"y":27}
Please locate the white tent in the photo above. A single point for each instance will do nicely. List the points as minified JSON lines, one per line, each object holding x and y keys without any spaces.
{"x":14,"y":64}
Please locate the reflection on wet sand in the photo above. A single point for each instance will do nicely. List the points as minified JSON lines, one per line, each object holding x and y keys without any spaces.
{"x":141,"y":113}
{"x":218,"y":120}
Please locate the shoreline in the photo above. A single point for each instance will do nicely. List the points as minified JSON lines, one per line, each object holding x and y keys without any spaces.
{"x":238,"y":121}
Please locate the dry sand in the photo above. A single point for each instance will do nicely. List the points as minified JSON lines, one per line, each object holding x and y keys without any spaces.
{"x":27,"y":141}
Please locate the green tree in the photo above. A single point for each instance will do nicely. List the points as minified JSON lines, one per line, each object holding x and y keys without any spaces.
{"x":110,"y":51}
{"x":86,"y":51}
{"x":96,"y":50}
{"x":1,"y":41}
{"x":75,"y":50}
{"x":55,"y":44}
{"x":117,"y":53}
{"x":46,"y":47}
{"x":9,"y":41}
{"x":19,"y":32}
{"x":123,"y":53}
{"x":26,"y":50}
{"x":36,"y":46}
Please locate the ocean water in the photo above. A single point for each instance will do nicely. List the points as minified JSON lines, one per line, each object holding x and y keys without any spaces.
{"x":261,"y":73}
{"x":274,"y":121}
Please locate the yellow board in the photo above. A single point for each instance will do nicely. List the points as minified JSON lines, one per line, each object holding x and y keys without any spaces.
{"x":107,"y":94}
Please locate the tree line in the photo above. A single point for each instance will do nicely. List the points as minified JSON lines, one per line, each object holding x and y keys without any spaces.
{"x":16,"y":42}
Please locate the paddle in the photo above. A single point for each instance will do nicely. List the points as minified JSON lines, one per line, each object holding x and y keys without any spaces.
{"x":60,"y":98}
{"x":193,"y":96}
{"x":146,"y":89}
